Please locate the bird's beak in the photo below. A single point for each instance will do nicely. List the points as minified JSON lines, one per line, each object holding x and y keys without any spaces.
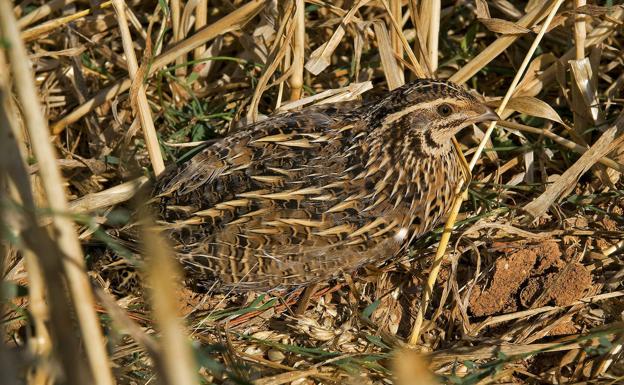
{"x":487,"y":116}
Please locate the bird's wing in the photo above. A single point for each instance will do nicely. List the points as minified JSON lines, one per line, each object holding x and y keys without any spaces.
{"x":287,"y":129}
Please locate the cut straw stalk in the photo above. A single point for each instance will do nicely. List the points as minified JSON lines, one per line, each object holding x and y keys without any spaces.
{"x":433,"y":35}
{"x":396,"y":45}
{"x":422,"y":28}
{"x":459,"y":197}
{"x":277,"y":53}
{"x":176,"y":363}
{"x":144,"y":112}
{"x":176,"y":25}
{"x":228,"y":23}
{"x":579,"y":30}
{"x":419,"y":43}
{"x":201,"y":19}
{"x":296,"y":79}
{"x":395,"y":9}
{"x":67,"y":239}
{"x":578,"y":104}
{"x":392,"y":71}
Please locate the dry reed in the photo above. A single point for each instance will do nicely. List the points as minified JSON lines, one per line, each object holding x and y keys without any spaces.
{"x":551,"y":175}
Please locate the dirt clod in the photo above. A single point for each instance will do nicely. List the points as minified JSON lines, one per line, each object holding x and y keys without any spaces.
{"x":531,"y":276}
{"x":509,"y":274}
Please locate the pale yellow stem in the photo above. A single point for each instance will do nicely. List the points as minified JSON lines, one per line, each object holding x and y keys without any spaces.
{"x":143,"y":109}
{"x":63,"y":227}
{"x":296,"y":79}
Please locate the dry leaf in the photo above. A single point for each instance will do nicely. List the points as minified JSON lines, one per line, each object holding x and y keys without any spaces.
{"x":591,"y":10}
{"x":503,"y":26}
{"x":482,"y":11}
{"x":342,"y":94}
{"x":508,"y":9}
{"x":531,"y":84}
{"x":556,"y":22}
{"x":582,"y":76}
{"x":534,"y":107}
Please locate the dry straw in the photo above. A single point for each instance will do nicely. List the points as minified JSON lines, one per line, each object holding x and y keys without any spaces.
{"x":62,"y":226}
{"x":228,"y":23}
{"x":176,"y":362}
{"x":270,"y":66}
{"x":14,"y":175}
{"x":143,"y":109}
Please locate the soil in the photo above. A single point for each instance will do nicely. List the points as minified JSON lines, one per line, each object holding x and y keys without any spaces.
{"x":529,"y":276}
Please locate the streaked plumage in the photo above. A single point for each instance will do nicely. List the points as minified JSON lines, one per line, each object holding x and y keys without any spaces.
{"x":303,"y":196}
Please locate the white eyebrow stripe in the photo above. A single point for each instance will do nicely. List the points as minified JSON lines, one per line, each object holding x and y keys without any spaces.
{"x":418,"y":106}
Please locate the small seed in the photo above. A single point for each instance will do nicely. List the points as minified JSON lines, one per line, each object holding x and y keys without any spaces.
{"x":275,"y":355}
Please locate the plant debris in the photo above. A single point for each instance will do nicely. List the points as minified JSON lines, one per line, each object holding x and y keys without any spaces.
{"x":531,"y":286}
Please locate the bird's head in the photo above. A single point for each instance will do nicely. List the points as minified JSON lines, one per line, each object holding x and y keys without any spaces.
{"x":426,"y":114}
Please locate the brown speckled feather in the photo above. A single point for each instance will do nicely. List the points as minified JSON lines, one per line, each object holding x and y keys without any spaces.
{"x":303,"y":196}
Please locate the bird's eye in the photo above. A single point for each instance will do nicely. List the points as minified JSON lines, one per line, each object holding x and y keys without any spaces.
{"x":444,"y":110}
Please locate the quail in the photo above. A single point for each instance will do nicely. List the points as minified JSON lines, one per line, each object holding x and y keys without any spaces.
{"x":302,"y":197}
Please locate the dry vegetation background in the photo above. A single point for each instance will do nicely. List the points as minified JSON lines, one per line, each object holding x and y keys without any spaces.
{"x":527,"y":288}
